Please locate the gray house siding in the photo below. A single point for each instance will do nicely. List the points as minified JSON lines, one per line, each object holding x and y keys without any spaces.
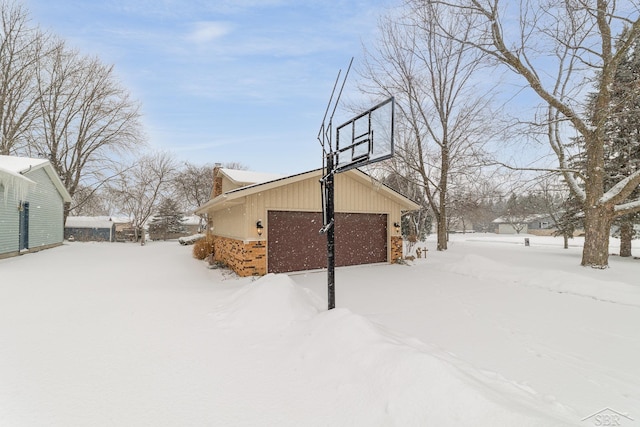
{"x":46,"y":211}
{"x":542,"y":223}
{"x":9,"y":216}
{"x":90,"y":234}
{"x":41,"y":224}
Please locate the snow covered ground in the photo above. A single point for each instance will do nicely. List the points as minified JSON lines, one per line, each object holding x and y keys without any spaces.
{"x":489,"y":333}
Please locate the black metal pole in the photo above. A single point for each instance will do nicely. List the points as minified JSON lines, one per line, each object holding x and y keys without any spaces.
{"x":331,"y":258}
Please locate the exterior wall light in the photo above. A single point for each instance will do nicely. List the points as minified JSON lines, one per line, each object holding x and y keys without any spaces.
{"x":259,"y":227}
{"x":397,"y":226}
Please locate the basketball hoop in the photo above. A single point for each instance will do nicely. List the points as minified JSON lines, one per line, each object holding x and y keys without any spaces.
{"x":363,"y":140}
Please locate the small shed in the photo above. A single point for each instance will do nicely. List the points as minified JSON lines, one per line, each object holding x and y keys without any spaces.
{"x":261,"y":223}
{"x":90,"y":229}
{"x":32,"y":199}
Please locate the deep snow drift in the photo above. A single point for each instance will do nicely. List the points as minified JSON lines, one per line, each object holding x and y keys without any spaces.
{"x":118,"y":334}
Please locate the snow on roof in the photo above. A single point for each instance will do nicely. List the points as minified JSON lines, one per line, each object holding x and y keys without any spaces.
{"x":19,"y":164}
{"x":527,"y":219}
{"x":89,"y":222}
{"x":22,"y":165}
{"x":249,"y":177}
{"x":192,"y":220}
{"x":20,"y":185}
{"x":121,"y":219}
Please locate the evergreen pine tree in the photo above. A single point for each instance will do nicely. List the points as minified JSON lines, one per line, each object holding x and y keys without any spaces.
{"x":622,"y":146}
{"x":622,"y":150}
{"x":169,"y":220}
{"x":622,"y":136}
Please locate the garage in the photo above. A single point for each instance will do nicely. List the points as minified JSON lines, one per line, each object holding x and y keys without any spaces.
{"x":294,"y":243}
{"x":263,"y":224}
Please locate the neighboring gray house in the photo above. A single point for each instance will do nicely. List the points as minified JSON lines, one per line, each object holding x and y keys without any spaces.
{"x":541,"y":222}
{"x":90,"y":229}
{"x":32,"y":199}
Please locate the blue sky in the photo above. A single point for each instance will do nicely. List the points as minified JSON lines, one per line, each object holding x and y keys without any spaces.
{"x":224,"y":80}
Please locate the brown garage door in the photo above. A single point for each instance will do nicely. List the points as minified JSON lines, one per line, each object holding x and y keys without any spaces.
{"x":294,"y":243}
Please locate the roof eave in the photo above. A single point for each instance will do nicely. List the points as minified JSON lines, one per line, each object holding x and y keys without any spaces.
{"x":225,"y":199}
{"x":221,"y":202}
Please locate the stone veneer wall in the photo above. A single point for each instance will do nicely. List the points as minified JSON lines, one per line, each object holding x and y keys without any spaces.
{"x":396,"y":249}
{"x":250,"y":258}
{"x":245,"y":258}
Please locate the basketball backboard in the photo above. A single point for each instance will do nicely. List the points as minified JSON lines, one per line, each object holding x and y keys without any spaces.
{"x":365,"y":139}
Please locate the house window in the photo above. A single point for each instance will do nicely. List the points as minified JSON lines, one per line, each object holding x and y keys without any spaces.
{"x":544,"y":225}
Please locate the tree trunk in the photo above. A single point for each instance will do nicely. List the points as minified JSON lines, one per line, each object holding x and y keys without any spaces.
{"x":443,"y":235}
{"x":566,"y":240}
{"x":441,"y":232}
{"x":626,"y":235}
{"x":597,"y":225}
{"x":65,"y":213}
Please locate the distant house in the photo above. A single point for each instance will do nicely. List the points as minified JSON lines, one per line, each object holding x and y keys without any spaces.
{"x":193,"y":224}
{"x":541,"y":224}
{"x":124,"y":229}
{"x":32,"y":199}
{"x":263,"y":223}
{"x":90,"y":229}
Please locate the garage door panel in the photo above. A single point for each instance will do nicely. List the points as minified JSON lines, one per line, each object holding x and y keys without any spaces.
{"x":294,"y":243}
{"x":360,"y":239}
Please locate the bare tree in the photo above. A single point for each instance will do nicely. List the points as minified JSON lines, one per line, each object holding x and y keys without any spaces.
{"x":87,"y":120}
{"x":415,"y":225}
{"x":95,"y":202}
{"x":21,"y":48}
{"x":140,"y":188}
{"x":556,"y":204}
{"x":560,"y":49}
{"x":439,"y":103}
{"x":193,"y":185}
{"x":517,"y":213}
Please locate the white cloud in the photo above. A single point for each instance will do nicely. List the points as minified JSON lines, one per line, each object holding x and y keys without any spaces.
{"x":207,"y":31}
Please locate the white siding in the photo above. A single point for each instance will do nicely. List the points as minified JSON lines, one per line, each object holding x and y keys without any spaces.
{"x":230,"y":222}
{"x":351,"y":196}
{"x":509,"y":229}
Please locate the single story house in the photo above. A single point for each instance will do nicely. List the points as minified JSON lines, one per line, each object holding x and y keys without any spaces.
{"x":90,"y":229}
{"x":32,"y":200}
{"x":541,"y":224}
{"x":193,"y":224}
{"x":263,"y":223}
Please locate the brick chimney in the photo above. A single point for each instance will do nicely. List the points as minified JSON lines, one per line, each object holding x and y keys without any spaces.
{"x":217,"y":181}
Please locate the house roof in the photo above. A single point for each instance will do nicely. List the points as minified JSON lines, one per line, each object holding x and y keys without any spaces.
{"x":20,"y":185}
{"x":20,"y":164}
{"x":89,"y":222}
{"x":192,"y":220}
{"x":526,"y":219}
{"x":248,"y":177}
{"x":12,"y":166}
{"x":186,"y":219}
{"x":120,"y":219}
{"x":227,"y":198}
